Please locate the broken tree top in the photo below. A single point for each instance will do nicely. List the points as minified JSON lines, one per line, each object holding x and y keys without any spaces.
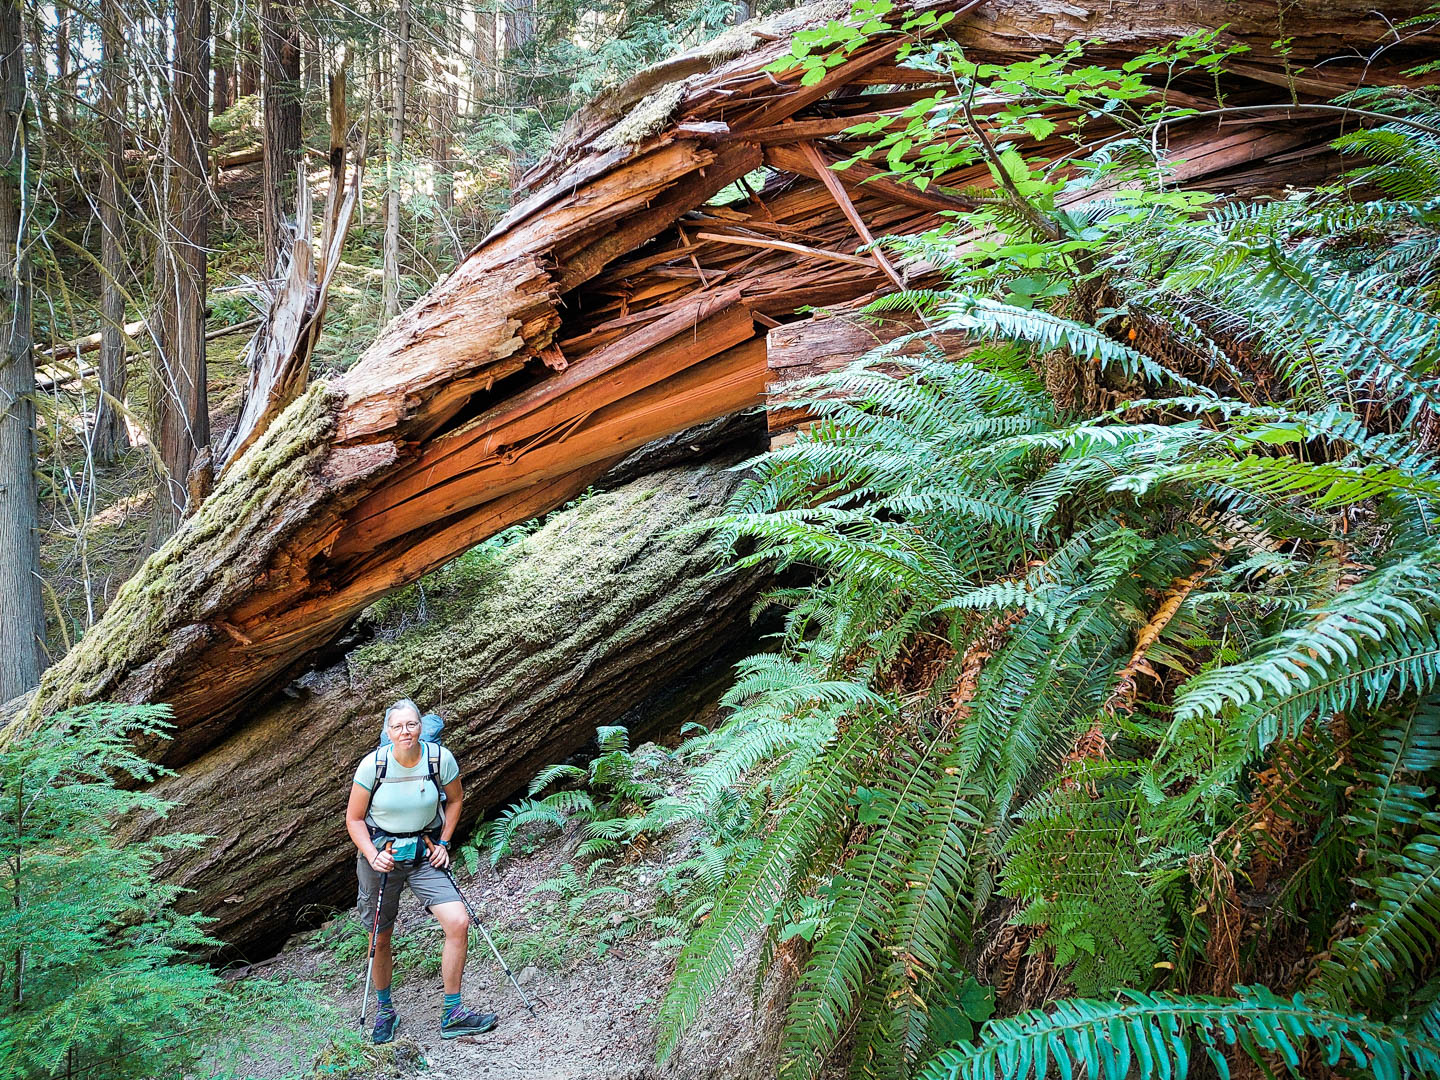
{"x":619,"y":301}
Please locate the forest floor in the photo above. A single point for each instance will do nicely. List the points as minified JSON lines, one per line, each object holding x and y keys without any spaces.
{"x":595,"y":960}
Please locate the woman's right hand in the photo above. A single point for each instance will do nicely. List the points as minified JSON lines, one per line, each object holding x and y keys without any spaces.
{"x":382,"y":862}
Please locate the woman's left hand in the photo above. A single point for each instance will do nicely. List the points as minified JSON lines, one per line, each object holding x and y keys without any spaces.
{"x":439,"y":856}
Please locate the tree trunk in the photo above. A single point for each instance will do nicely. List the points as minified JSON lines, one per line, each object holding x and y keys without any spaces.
{"x":280,"y":80}
{"x":180,"y":423}
{"x":22,"y":620}
{"x":597,"y":618}
{"x":519,"y":33}
{"x":444,"y":106}
{"x":249,"y":63}
{"x":599,"y":315}
{"x":312,"y":52}
{"x":400,"y":81}
{"x":65,"y":80}
{"x":482,"y":68}
{"x":828,"y":342}
{"x":111,"y":438}
{"x":223,"y":64}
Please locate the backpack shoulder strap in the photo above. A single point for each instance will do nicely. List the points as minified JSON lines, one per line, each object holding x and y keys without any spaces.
{"x":382,"y":762}
{"x":432,"y":753}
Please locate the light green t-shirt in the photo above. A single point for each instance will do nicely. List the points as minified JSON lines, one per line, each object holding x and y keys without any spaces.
{"x":407,"y":800}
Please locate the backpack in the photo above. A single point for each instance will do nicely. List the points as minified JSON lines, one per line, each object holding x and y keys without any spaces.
{"x":431,"y":729}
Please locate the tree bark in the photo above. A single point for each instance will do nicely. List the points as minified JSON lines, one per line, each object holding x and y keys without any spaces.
{"x":110,"y":438}
{"x":180,"y":423}
{"x":482,"y":68}
{"x":598,"y":618}
{"x":248,"y":79}
{"x":400,"y":81}
{"x":65,"y":79}
{"x":825,"y":343}
{"x":519,"y":33}
{"x":280,"y":82}
{"x":22,"y":621}
{"x":444,"y":107}
{"x":223,"y":64}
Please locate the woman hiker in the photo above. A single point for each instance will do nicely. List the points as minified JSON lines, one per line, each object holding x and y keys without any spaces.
{"x":402,"y":827}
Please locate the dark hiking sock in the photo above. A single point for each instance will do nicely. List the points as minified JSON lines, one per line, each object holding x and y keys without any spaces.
{"x":383,"y":996}
{"x":451,"y":1000}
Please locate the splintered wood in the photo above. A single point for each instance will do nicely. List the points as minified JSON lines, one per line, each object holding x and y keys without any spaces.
{"x":626,"y":296}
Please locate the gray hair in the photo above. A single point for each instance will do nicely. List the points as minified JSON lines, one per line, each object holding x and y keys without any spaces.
{"x":403,"y":703}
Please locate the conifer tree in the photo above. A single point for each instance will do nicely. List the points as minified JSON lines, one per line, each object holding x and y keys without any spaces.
{"x":180,"y":410}
{"x":281,"y":134}
{"x":110,"y":432}
{"x":22,"y":625}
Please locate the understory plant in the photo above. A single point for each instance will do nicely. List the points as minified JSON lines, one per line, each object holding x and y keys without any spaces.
{"x":610,"y":797}
{"x":99,"y":974}
{"x":622,"y":803}
{"x":1111,"y":704}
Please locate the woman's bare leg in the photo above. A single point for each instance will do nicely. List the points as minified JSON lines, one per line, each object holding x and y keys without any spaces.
{"x":384,"y":960}
{"x":455,"y":920}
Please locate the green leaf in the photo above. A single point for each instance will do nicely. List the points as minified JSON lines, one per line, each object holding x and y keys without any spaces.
{"x":1039,"y":127}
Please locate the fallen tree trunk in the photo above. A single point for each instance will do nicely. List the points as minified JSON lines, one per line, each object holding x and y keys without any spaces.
{"x":595,"y":319}
{"x":824,"y":345}
{"x":591,"y":620}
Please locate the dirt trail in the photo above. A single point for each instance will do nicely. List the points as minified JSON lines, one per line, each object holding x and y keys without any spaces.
{"x":594,"y":1013}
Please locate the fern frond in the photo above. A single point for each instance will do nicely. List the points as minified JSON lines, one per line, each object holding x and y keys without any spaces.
{"x":1046,"y":332}
{"x":1399,"y":937}
{"x":1145,"y":1035}
{"x":552,"y":774}
{"x":758,"y":887}
{"x":864,"y":893}
{"x":1396,"y":606}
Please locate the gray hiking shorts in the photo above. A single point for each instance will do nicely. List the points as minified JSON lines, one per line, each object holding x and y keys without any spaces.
{"x":429,"y":885}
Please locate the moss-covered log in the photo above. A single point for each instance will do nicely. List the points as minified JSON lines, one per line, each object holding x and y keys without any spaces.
{"x":524,"y":649}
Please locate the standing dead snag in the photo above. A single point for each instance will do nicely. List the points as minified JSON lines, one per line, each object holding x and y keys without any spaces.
{"x":278,"y":357}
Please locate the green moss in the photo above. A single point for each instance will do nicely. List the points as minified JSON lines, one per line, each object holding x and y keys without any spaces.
{"x":610,"y":559}
{"x":646,"y":118}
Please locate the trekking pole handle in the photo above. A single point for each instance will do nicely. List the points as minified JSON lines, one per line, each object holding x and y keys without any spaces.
{"x":431,"y":845}
{"x":385,"y":847}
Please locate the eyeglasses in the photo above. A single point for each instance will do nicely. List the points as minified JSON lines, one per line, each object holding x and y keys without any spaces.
{"x":407,"y":725}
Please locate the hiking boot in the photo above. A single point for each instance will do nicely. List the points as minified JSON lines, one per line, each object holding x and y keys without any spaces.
{"x":386,"y":1021}
{"x":458,"y":1020}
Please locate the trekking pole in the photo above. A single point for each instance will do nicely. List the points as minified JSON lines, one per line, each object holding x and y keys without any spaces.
{"x":374,"y":937}
{"x":475,"y":921}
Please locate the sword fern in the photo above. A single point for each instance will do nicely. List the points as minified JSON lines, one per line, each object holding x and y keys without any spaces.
{"x":1119,"y":652}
